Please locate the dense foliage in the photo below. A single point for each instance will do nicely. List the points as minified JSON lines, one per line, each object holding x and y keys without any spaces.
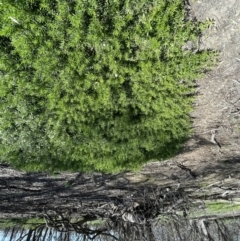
{"x":95,"y":84}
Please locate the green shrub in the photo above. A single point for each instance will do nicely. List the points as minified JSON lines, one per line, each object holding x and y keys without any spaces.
{"x":97,"y":84}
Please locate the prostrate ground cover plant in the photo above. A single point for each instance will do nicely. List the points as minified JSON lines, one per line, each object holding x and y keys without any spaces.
{"x":95,"y":85}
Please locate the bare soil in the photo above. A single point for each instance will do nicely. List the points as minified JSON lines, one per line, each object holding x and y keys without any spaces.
{"x":217,"y":107}
{"x":204,"y":168}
